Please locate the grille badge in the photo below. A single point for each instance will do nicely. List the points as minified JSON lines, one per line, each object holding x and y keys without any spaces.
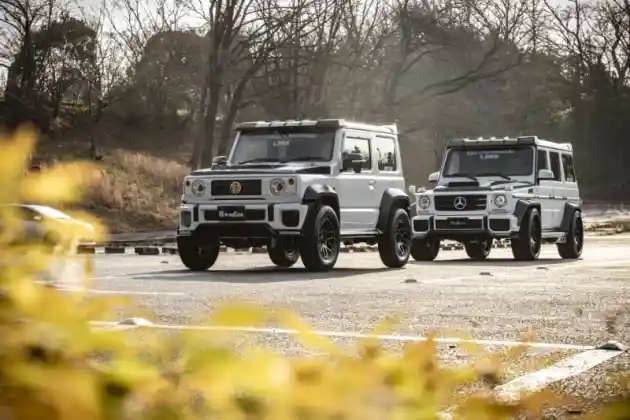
{"x":459,"y":203}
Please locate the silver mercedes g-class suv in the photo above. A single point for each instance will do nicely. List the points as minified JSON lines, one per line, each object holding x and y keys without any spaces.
{"x":524,"y":189}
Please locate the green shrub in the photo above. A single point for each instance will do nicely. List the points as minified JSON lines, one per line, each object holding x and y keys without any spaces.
{"x":54,"y":366}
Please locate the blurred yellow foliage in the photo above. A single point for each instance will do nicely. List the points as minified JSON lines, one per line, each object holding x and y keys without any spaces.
{"x":54,"y":365}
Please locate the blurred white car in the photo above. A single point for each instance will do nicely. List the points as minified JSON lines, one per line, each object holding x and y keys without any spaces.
{"x":39,"y":221}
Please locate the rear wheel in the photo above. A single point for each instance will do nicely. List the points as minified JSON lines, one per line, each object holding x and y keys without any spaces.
{"x":425,"y":249}
{"x":196,"y":256}
{"x":478,"y":250}
{"x":283,"y":252}
{"x":572,"y":248}
{"x":527,"y":246}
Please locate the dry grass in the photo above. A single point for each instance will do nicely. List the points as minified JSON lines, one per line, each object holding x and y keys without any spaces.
{"x":137,"y":192}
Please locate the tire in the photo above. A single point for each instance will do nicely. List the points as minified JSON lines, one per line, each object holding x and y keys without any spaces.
{"x":394,"y":246}
{"x":282,"y":252}
{"x":527,"y":246}
{"x":479,"y":250}
{"x":572,"y":248}
{"x":319,"y":247}
{"x":425,"y":249}
{"x":196,"y":257}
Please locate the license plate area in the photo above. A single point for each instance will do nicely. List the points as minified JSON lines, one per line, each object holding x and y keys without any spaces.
{"x":457,"y":223}
{"x":231,"y":213}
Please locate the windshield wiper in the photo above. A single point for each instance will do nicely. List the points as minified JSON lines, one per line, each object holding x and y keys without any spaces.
{"x":495,"y":174}
{"x":258,"y":159}
{"x":302,"y":159}
{"x":463,"y":175}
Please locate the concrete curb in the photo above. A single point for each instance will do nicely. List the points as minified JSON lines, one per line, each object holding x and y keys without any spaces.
{"x":171,"y":250}
{"x":162,"y":249}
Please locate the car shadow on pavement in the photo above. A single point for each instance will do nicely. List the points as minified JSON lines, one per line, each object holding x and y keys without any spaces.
{"x":270,"y":274}
{"x":496,"y":262}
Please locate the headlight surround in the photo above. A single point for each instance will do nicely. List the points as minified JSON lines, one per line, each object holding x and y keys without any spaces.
{"x":500,"y":200}
{"x":424,"y":202}
{"x":198,"y":187}
{"x":279,"y":186}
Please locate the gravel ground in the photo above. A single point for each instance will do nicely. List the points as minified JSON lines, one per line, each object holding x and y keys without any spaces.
{"x":575,"y":302}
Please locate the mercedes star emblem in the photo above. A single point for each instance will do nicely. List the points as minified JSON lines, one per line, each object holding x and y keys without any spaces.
{"x":235,"y":187}
{"x":459,"y":203}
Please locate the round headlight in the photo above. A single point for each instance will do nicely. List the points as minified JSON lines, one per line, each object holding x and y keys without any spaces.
{"x":277,"y":187}
{"x":198,"y":187}
{"x":500,"y":200}
{"x":424,"y":202}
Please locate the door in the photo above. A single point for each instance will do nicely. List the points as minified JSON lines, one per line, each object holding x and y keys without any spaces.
{"x":388,"y":167}
{"x":569,"y":191}
{"x":544,"y":191}
{"x":557,"y":192}
{"x":357,"y":190}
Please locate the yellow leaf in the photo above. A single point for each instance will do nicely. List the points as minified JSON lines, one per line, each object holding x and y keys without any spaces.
{"x":305,"y":334}
{"x":62,"y":184}
{"x":238,"y":315}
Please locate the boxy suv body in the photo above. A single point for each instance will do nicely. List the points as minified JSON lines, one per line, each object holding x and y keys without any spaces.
{"x":524,"y":189}
{"x":301,"y":188}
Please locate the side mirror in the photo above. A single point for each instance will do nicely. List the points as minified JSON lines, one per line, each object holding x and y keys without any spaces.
{"x":433,"y":177}
{"x":219,"y":160}
{"x":545,"y":175}
{"x":412,"y":189}
{"x":352,"y":161}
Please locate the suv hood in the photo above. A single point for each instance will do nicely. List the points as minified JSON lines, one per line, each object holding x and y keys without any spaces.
{"x":492,"y":185}
{"x":267,"y":169}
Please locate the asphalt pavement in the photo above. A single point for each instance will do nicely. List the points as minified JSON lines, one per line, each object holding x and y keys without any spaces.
{"x":578,"y":303}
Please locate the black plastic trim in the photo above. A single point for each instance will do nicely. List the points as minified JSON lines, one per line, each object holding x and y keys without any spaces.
{"x":390,"y":198}
{"x":569,"y":209}
{"x":521,"y":208}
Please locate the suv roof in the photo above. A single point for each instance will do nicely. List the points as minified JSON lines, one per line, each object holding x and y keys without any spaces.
{"x":509,"y":141}
{"x":325,"y":123}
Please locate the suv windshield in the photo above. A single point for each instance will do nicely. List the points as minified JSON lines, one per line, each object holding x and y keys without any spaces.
{"x":283,"y":147}
{"x":503,"y":162}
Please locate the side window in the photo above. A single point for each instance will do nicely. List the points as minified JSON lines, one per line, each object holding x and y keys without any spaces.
{"x":542,"y":160}
{"x":569,"y":171}
{"x":385,"y":148}
{"x":361,"y":146}
{"x":555,"y":165}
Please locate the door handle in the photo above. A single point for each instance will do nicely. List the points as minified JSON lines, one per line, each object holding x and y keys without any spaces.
{"x":372,"y":182}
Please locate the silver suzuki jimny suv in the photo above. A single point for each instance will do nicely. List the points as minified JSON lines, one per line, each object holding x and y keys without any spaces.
{"x":301,"y":188}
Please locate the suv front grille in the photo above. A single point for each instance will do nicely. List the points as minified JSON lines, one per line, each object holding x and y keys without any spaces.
{"x":472,"y":202}
{"x":236,"y":187}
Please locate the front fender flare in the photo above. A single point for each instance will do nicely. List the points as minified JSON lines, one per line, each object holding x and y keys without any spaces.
{"x":392,"y":197}
{"x":320,"y":192}
{"x":567,"y":215}
{"x":521,"y":208}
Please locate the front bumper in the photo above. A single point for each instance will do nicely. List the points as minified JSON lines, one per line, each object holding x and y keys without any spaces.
{"x":464,"y":226}
{"x":242,"y":220}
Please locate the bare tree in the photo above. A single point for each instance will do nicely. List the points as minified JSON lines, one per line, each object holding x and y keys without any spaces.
{"x":20,"y":19}
{"x":241,"y":36}
{"x":134,"y":22}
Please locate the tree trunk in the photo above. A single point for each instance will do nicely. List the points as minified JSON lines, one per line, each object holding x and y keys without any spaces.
{"x":210,"y":123}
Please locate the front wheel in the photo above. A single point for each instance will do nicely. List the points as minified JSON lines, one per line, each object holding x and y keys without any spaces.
{"x":425,"y":249}
{"x":572,"y":248}
{"x":527,"y":246}
{"x":196,"y":256}
{"x":319,"y":247}
{"x":478,"y":250}
{"x":394,"y":246}
{"x":283,"y":252}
